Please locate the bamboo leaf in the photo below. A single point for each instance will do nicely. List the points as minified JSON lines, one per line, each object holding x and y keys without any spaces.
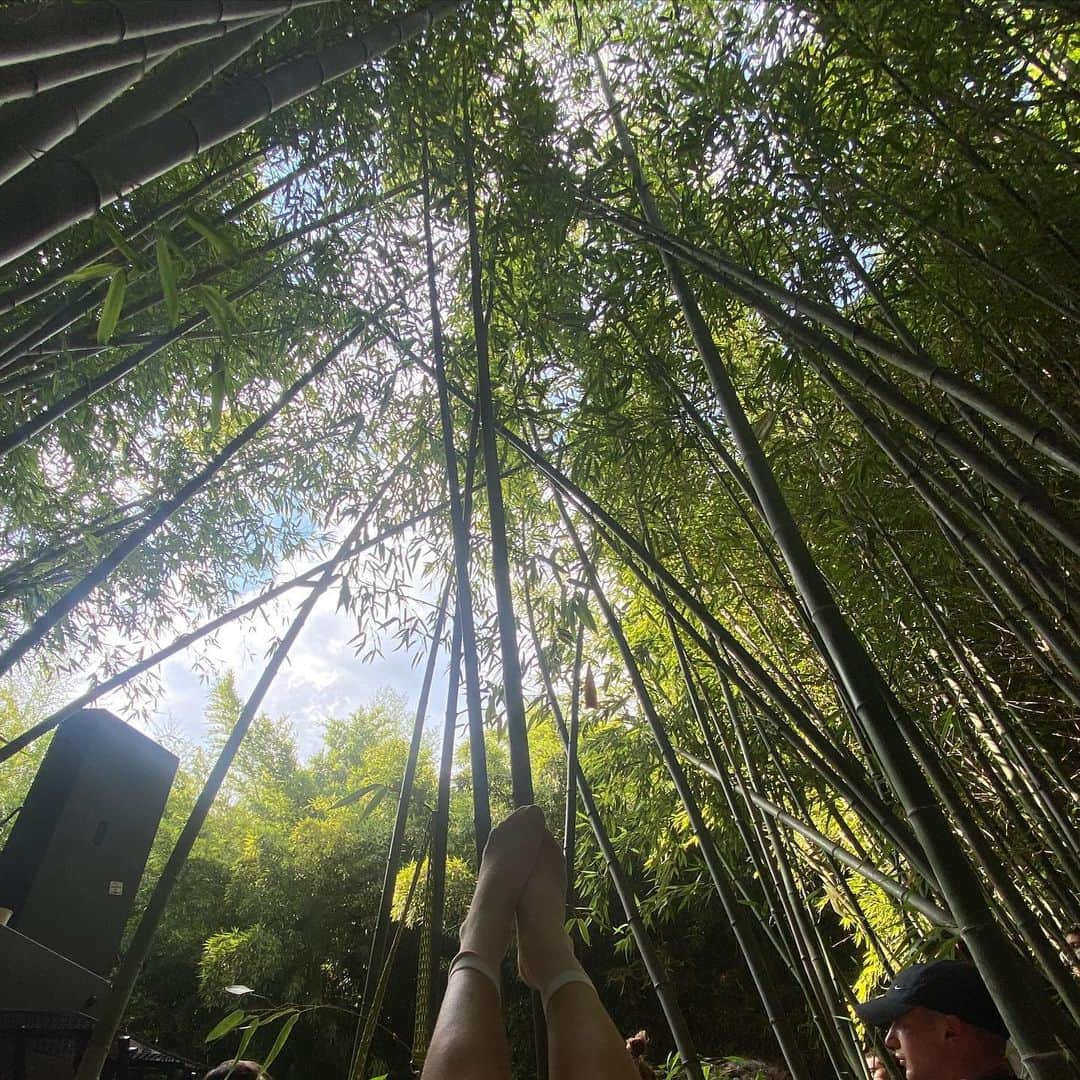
{"x":282,"y":1038}
{"x":92,"y":273}
{"x":167,"y":273}
{"x":763,"y":425}
{"x":221,"y":311}
{"x":217,"y":239}
{"x":246,"y":1039}
{"x":110,"y":310}
{"x":376,"y":799}
{"x":217,"y":394}
{"x":117,"y":237}
{"x":223,"y":1027}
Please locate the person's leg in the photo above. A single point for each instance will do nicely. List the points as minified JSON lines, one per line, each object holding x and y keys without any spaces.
{"x":583,"y":1042}
{"x":469,"y":1041}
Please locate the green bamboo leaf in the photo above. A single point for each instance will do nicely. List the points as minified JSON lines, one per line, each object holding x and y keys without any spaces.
{"x":91,"y":273}
{"x":217,"y":393}
{"x":117,"y":237}
{"x":354,"y":796}
{"x":221,"y":243}
{"x":110,"y":310}
{"x":221,"y":311}
{"x":246,"y":1039}
{"x":223,"y":1027}
{"x":375,"y":800}
{"x":167,"y":273}
{"x":282,"y":1038}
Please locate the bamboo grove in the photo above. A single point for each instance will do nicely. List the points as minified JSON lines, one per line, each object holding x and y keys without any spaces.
{"x":696,"y":379}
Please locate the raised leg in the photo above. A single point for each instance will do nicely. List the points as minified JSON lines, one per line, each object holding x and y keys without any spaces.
{"x":469,"y":1041}
{"x":583,"y":1042}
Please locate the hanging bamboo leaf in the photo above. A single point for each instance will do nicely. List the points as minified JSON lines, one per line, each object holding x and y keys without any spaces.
{"x":217,"y":238}
{"x":92,"y":273}
{"x":110,"y":310}
{"x":224,"y":1026}
{"x":283,"y":1034}
{"x":166,"y":265}
{"x":119,"y":242}
{"x":218,"y":379}
{"x":220,"y":308}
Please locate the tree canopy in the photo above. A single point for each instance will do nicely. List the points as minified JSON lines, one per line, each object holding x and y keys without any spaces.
{"x":716,"y":362}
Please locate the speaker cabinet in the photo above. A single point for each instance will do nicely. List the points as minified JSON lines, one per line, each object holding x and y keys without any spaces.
{"x":73,"y":860}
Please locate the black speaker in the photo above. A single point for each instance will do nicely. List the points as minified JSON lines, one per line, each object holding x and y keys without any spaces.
{"x":73,"y":860}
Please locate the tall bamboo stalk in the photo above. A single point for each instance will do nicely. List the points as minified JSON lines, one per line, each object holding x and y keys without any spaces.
{"x":42,"y":202}
{"x":440,"y":825}
{"x":658,"y":976}
{"x":459,"y":526}
{"x":33,"y":128}
{"x":1033,"y":1030}
{"x":749,"y":944}
{"x":169,"y":86}
{"x":20,"y":81}
{"x":57,"y":28}
{"x":376,"y":959}
{"x":520,"y":767}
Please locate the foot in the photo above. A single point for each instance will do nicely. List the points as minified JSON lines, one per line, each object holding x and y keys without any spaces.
{"x":509,"y":855}
{"x":544,"y":948}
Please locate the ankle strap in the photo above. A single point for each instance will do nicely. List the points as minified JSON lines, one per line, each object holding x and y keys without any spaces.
{"x":571,"y":975}
{"x":474,"y":962}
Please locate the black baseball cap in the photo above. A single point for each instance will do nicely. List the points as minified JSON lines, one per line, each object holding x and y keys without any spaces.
{"x":954,"y":987}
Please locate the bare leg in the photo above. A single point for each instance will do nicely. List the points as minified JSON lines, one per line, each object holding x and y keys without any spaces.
{"x":583,"y":1042}
{"x":469,"y":1042}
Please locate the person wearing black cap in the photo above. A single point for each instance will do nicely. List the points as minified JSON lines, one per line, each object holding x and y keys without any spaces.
{"x":942,"y":1023}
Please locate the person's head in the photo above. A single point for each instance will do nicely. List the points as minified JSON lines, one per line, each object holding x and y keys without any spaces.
{"x":237,"y":1070}
{"x":941,"y":1022}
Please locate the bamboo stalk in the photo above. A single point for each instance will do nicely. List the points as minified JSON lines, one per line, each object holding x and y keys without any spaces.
{"x":370,"y":1002}
{"x":658,"y":976}
{"x":33,"y":128}
{"x":20,"y":81}
{"x":49,"y":200}
{"x":1035,"y":1031}
{"x":440,"y":825}
{"x":168,"y":87}
{"x":63,"y":28}
{"x":520,"y":767}
{"x":459,"y":526}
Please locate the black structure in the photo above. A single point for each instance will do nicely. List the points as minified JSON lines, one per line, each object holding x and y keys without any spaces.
{"x":75,"y":855}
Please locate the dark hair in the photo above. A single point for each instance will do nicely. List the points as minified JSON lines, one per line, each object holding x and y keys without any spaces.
{"x":237,"y":1070}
